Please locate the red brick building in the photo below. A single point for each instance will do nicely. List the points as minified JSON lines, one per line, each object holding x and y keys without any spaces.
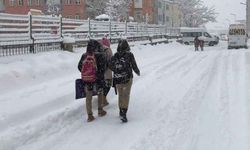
{"x":74,"y":9}
{"x":148,"y":10}
{"x":23,"y":6}
{"x":142,"y":10}
{"x":68,"y":8}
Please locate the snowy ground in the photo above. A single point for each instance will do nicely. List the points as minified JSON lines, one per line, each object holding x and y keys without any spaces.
{"x":183,"y":100}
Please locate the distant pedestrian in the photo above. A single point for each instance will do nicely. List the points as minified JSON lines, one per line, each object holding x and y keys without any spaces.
{"x":123,"y":64}
{"x":92,"y":67}
{"x":196,"y":43}
{"x":201,"y":43}
{"x":108,"y":73}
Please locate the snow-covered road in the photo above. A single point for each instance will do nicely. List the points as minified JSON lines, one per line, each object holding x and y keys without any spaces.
{"x":183,"y":100}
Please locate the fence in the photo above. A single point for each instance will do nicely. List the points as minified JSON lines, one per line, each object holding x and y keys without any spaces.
{"x":22,"y":34}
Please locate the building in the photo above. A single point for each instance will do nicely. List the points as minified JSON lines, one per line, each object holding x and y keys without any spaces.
{"x":148,"y":11}
{"x":175,"y":14}
{"x":142,"y":10}
{"x":169,"y":13}
{"x":67,"y":8}
{"x":137,"y":12}
{"x":165,"y":12}
{"x":75,"y":9}
{"x":23,"y":6}
{"x":1,"y":5}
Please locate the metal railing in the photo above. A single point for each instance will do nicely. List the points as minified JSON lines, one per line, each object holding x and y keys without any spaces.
{"x":22,"y":34}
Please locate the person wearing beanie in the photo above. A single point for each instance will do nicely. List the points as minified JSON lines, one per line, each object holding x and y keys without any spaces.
{"x":105,"y":42}
{"x":93,"y":48}
{"x":108,"y":73}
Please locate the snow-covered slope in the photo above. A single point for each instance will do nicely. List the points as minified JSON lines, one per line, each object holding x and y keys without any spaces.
{"x":183,"y":100}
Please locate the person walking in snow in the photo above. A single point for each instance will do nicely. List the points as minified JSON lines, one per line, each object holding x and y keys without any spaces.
{"x":123,"y":64}
{"x":92,"y":67}
{"x":196,"y":43}
{"x":108,"y":73}
{"x":201,"y":43}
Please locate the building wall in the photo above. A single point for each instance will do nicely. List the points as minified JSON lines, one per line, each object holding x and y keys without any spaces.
{"x":1,"y":6}
{"x":148,"y":11}
{"x":175,"y":15}
{"x":23,"y":6}
{"x":73,"y":10}
{"x":68,"y":8}
{"x":138,"y":3}
{"x":168,"y":13}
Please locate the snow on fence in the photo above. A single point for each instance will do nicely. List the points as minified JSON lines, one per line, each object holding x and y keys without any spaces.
{"x":21,"y":34}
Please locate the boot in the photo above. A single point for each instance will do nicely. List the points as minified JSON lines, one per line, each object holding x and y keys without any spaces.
{"x":101,"y":112}
{"x":120,"y":112}
{"x":90,"y":118}
{"x":124,"y":115}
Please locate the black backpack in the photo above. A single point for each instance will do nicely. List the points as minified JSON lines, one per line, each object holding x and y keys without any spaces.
{"x":121,"y":72}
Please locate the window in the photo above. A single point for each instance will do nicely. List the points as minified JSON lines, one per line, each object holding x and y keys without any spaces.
{"x":68,"y":2}
{"x":237,"y":32}
{"x":77,"y":16}
{"x":29,"y":2}
{"x":20,"y":2}
{"x":37,"y":2}
{"x":78,"y":2}
{"x":159,"y":4}
{"x":207,"y":35}
{"x":167,"y":19}
{"x":167,"y":7}
{"x":191,"y":34}
{"x":12,"y":2}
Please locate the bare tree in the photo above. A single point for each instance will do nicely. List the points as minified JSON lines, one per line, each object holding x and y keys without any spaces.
{"x":96,"y":7}
{"x":195,"y":13}
{"x":53,"y":7}
{"x":118,"y":9}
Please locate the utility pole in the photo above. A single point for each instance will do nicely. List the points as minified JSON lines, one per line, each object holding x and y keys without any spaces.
{"x":247,"y":4}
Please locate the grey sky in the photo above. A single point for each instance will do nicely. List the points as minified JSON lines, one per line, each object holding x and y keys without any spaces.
{"x":225,"y":9}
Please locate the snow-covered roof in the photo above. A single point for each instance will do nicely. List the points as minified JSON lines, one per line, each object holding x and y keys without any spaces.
{"x":131,"y":18}
{"x":102,"y":16}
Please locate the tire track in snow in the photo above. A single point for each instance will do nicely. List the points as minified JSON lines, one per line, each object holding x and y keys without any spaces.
{"x":209,"y":125}
{"x":172,"y":124}
{"x":238,"y":102}
{"x":47,"y":129}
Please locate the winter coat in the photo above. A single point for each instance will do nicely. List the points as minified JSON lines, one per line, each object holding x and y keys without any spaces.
{"x":108,"y":72}
{"x":196,"y":42}
{"x":101,"y":62}
{"x":123,"y":50}
{"x":202,"y":43}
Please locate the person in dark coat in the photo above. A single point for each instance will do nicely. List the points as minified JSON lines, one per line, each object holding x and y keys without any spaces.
{"x":94,"y":47}
{"x":202,"y":44}
{"x":196,"y":43}
{"x":123,"y":64}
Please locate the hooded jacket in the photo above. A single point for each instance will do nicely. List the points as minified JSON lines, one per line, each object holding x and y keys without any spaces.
{"x":123,"y":51}
{"x":96,"y":48}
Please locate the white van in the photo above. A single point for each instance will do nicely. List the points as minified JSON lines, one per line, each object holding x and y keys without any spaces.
{"x":237,"y":36}
{"x":188,"y":35}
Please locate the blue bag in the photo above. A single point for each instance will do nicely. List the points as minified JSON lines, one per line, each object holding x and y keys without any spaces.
{"x":80,"y":89}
